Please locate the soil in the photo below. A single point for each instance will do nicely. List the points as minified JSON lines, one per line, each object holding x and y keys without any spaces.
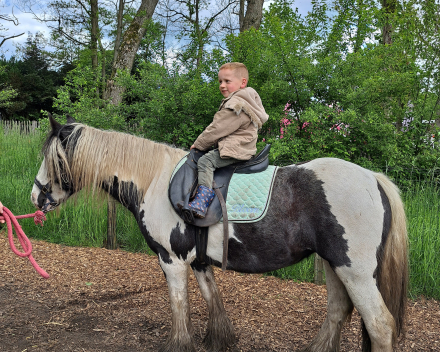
{"x":115,"y":301}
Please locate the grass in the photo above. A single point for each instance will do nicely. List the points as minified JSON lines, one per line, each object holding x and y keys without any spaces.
{"x":423,"y":213}
{"x":81,"y":222}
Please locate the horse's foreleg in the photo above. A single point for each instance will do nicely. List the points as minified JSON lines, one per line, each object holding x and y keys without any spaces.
{"x":339,"y":307}
{"x":220,"y":331}
{"x":180,"y":338}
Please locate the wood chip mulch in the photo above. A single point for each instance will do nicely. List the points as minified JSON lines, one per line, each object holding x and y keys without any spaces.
{"x":115,"y":301}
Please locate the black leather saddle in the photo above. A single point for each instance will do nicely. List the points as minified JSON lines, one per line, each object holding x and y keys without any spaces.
{"x":183,"y":185}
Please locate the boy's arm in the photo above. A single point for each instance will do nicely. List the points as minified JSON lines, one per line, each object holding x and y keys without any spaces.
{"x":225,"y":122}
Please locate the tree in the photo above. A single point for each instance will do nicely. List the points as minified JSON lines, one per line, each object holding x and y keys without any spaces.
{"x":195,"y":24}
{"x":6,"y":93}
{"x":128,"y":49}
{"x":31,"y":77}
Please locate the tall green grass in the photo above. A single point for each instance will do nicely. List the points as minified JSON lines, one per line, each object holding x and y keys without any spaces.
{"x":423,"y":213}
{"x":83,"y":222}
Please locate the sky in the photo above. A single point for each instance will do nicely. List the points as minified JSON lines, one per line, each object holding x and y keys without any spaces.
{"x":27,"y":23}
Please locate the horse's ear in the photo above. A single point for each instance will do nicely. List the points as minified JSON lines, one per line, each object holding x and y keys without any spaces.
{"x":70,"y":119}
{"x":56,"y":126}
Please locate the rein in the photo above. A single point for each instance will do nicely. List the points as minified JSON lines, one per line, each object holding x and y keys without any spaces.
{"x":39,"y":217}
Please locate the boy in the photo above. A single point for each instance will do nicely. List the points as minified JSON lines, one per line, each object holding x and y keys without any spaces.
{"x":233,"y":131}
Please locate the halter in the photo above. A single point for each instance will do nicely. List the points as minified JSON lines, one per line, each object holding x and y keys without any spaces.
{"x":45,"y":193}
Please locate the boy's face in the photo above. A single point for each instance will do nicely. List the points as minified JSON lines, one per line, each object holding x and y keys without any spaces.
{"x":229,"y":82}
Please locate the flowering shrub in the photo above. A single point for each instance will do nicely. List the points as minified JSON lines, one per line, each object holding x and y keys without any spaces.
{"x":330,"y":131}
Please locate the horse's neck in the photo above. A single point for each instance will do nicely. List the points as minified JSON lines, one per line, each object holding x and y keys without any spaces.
{"x":131,"y":192}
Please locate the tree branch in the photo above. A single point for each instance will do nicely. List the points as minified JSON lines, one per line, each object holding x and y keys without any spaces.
{"x":13,"y":36}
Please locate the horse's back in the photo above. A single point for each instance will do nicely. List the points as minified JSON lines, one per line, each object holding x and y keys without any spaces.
{"x":349,"y":188}
{"x":355,"y":199}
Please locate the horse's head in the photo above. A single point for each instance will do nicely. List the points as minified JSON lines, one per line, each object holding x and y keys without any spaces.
{"x":53,"y":183}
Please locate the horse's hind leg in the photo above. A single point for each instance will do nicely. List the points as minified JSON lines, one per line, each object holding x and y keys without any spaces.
{"x":220,"y":331}
{"x":363,"y":291}
{"x":180,"y":338}
{"x":339,"y":307}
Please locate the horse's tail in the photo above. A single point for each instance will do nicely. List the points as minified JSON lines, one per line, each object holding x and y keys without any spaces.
{"x":392,"y":275}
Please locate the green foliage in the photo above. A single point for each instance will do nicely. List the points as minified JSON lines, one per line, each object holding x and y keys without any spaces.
{"x":334,"y":76}
{"x":330,"y":132}
{"x":170,"y":107}
{"x":32,"y":79}
{"x":80,"y":98}
{"x":422,"y":209}
{"x":6,"y":93}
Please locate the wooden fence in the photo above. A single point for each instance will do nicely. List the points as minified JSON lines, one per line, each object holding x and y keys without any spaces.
{"x":24,"y":127}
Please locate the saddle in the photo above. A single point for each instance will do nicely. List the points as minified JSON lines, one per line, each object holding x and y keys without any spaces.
{"x":183,"y":186}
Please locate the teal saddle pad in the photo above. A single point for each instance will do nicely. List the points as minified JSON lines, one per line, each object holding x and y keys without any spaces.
{"x":248,"y":195}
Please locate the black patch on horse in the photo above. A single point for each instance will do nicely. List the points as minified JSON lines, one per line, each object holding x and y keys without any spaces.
{"x":154,"y":246}
{"x":125,"y":192}
{"x":182,"y":242}
{"x":305,"y":224}
{"x":387,"y":218}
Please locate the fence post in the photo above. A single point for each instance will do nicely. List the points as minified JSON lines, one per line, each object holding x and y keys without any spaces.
{"x":319,"y":269}
{"x":111,"y":223}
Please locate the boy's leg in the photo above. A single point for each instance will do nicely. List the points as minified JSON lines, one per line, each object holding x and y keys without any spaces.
{"x":208,"y":163}
{"x":205,"y":194}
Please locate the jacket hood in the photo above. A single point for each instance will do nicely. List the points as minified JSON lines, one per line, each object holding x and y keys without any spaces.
{"x":248,"y":101}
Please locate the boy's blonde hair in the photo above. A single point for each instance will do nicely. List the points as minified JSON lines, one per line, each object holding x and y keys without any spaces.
{"x":239,"y":69}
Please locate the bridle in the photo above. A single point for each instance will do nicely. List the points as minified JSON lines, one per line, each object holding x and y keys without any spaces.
{"x":45,"y":193}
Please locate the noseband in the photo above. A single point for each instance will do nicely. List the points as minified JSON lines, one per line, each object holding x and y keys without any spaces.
{"x":45,"y":193}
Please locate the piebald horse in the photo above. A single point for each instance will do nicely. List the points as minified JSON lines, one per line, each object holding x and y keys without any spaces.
{"x":352,"y":217}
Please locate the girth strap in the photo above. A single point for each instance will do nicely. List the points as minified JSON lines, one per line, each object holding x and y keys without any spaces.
{"x":225,"y":225}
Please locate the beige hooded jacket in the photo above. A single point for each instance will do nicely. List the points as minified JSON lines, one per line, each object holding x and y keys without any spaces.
{"x":235,"y":126}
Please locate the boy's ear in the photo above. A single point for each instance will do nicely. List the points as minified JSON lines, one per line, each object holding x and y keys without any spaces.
{"x":243,"y":83}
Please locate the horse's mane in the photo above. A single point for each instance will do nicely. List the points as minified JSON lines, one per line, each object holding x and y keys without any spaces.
{"x":89,"y":157}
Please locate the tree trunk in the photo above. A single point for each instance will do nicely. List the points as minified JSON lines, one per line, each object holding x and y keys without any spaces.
{"x":254,"y":15}
{"x":118,"y":29}
{"x":241,"y":15}
{"x":128,"y":48}
{"x":94,"y":32}
{"x":389,"y":8}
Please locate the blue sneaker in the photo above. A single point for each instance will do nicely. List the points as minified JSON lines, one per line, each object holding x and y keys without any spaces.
{"x":203,"y":199}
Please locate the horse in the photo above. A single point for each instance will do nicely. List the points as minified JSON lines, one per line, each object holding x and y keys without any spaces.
{"x":350,"y":216}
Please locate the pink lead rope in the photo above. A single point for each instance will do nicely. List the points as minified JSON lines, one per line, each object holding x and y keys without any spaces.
{"x":39,"y":217}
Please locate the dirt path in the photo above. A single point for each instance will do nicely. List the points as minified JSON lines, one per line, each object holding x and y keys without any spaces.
{"x":114,"y":301}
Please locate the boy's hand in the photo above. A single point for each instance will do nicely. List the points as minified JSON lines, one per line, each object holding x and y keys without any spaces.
{"x":192,"y":147}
